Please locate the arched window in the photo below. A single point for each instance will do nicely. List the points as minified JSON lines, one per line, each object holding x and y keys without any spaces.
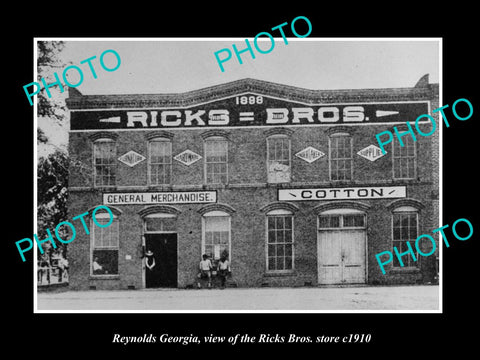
{"x":341,"y":218}
{"x":104,"y":162}
{"x":278,"y":158}
{"x":280,"y":240}
{"x":104,"y":244}
{"x":404,"y":158}
{"x":159,"y":218}
{"x":404,"y":228}
{"x":216,"y":160}
{"x":216,"y":235}
{"x":160,"y":161}
{"x":160,"y":222}
{"x":340,"y":158}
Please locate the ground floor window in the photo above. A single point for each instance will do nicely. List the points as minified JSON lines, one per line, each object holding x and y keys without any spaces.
{"x":280,"y":252}
{"x":216,"y":235}
{"x":104,"y":249}
{"x":160,"y":222}
{"x":405,"y":228}
{"x":339,"y":220}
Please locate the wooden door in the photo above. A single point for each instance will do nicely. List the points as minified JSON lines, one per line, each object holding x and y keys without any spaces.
{"x":341,"y":257}
{"x":164,"y":248}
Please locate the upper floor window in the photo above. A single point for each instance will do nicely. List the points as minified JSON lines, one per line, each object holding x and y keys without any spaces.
{"x":340,"y":145}
{"x":160,"y":161}
{"x":404,"y":159}
{"x":278,"y":159}
{"x":104,"y":162}
{"x":216,"y":160}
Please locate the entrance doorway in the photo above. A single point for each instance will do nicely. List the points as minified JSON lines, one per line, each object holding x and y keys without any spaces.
{"x":164,"y":258}
{"x":341,"y":247}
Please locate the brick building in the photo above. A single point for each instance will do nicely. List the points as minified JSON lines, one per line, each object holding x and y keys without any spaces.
{"x":289,"y":182}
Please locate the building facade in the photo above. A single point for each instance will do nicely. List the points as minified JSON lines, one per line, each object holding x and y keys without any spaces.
{"x":289,"y":183}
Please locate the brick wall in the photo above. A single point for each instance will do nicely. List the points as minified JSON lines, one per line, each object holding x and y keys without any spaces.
{"x":247,"y":158}
{"x":246,"y":193}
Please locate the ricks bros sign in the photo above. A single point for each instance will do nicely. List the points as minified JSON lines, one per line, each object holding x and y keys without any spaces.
{"x":248,"y":110}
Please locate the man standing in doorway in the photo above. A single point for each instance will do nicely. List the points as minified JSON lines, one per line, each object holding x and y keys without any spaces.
{"x":150,"y":278}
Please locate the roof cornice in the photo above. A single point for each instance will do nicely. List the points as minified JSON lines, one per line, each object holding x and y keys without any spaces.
{"x":422,"y":91}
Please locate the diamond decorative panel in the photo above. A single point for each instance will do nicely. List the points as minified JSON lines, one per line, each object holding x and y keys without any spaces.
{"x":187,"y":157}
{"x":310,"y":154}
{"x":131,"y":158}
{"x":371,"y":153}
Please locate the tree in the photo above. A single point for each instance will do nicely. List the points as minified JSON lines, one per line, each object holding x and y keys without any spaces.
{"x":54,"y":162}
{"x":48,"y":62}
{"x":52,"y":168}
{"x":52,"y":194}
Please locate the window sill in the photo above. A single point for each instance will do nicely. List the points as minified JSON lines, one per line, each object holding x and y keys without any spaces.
{"x":280,"y":185}
{"x":215,"y":186}
{"x":280,"y":274}
{"x":404,"y":270}
{"x":345,"y":182}
{"x":159,"y":187}
{"x":104,"y":277}
{"x":105,"y":187}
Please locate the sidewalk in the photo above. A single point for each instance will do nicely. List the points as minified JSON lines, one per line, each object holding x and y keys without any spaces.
{"x":385,"y":298}
{"x":48,"y":276}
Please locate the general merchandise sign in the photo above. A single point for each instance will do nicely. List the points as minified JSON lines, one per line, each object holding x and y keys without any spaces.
{"x":173,"y":197}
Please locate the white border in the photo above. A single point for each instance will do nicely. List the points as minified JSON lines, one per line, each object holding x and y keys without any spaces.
{"x":35,"y":177}
{"x":440,"y":43}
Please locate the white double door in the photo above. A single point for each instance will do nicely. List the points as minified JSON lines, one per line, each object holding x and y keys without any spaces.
{"x":341,"y":256}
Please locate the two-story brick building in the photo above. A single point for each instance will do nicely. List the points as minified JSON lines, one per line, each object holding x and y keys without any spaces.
{"x":289,"y":182}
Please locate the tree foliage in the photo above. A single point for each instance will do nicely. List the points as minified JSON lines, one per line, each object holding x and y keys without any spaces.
{"x":52,"y":194}
{"x":49,"y":62}
{"x":48,"y":52}
{"x":52,"y":169}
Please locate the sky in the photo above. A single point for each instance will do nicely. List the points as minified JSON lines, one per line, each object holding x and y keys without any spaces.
{"x":175,"y":65}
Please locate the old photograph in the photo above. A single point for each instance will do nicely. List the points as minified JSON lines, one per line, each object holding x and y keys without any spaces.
{"x":238,"y":175}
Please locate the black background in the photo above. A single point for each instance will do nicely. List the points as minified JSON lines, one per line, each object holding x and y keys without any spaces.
{"x":407,"y":335}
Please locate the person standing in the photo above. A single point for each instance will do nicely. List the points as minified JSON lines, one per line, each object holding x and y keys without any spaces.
{"x":63,"y":268}
{"x":205,"y":268}
{"x":44,"y":267}
{"x":223,"y":269}
{"x":149,"y":260}
{"x":150,"y":278}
